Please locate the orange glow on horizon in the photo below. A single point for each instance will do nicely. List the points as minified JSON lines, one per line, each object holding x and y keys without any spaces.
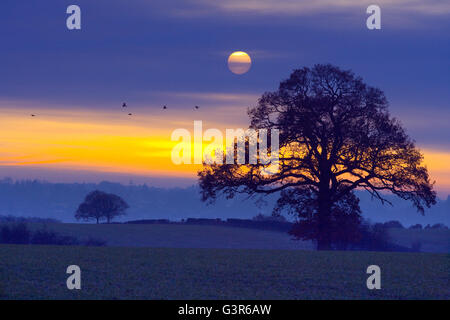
{"x":112,"y":142}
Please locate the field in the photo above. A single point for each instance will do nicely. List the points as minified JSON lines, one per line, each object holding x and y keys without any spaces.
{"x":178,"y":236}
{"x":198,"y":236}
{"x":38,"y":272}
{"x":216,"y":262}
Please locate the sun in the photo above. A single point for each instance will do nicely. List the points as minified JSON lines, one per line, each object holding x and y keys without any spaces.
{"x":239,"y":62}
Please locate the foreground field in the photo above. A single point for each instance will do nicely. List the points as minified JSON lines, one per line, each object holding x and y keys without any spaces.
{"x":38,"y":272}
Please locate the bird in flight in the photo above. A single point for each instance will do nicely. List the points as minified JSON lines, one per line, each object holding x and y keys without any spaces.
{"x":124,"y":105}
{"x":165,"y":107}
{"x":130,"y":114}
{"x":196,"y":107}
{"x":33,"y":115}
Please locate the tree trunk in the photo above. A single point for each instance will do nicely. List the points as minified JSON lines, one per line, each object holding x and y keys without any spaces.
{"x":97,"y":220}
{"x":323,"y":245}
{"x":324,"y":216}
{"x":323,"y":237}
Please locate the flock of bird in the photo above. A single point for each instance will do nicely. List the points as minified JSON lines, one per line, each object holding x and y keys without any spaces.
{"x":124,"y":105}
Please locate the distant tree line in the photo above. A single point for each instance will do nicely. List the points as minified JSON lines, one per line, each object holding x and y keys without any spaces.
{"x":61,"y":200}
{"x":10,"y":218}
{"x":396,"y":224}
{"x":428,"y":226}
{"x":264,"y":224}
{"x":19,"y":233}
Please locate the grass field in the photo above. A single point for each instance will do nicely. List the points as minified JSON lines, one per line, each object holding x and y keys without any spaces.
{"x":178,"y":236}
{"x":204,"y":236}
{"x":38,"y":272}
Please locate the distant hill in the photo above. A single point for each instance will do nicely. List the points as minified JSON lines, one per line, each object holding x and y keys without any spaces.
{"x":60,"y":201}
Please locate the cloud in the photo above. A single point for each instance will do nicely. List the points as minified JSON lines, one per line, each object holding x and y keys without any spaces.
{"x":299,"y":7}
{"x":220,"y":97}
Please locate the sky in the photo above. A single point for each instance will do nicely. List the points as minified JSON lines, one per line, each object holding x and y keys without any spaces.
{"x":154,"y":53}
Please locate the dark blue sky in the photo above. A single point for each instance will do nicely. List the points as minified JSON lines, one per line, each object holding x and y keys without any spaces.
{"x":147,"y":52}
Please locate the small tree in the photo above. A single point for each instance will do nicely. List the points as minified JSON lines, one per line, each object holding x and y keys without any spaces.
{"x":98,"y":205}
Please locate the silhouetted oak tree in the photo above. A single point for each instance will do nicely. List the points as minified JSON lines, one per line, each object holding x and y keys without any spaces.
{"x":98,"y":205}
{"x":336,"y":135}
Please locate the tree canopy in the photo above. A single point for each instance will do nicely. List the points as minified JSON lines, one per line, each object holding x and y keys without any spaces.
{"x":336,"y":135}
{"x":100,"y":205}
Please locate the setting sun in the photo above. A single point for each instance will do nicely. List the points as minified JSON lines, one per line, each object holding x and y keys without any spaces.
{"x":239,"y":62}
